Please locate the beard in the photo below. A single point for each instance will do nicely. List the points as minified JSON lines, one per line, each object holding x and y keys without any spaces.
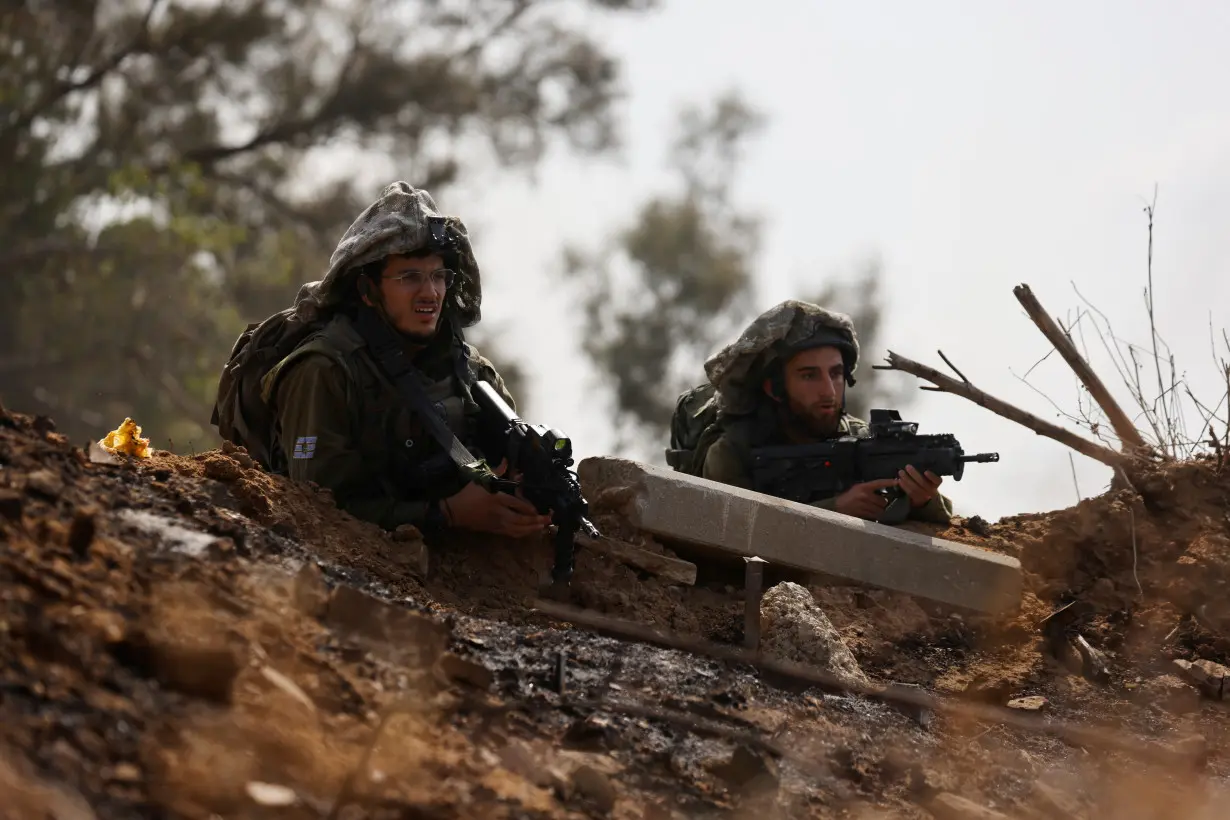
{"x":815,"y":420}
{"x":417,"y":338}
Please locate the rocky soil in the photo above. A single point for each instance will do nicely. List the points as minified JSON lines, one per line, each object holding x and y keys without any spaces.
{"x":190,"y":637}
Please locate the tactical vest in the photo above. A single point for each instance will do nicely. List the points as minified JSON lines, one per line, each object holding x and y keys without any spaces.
{"x":403,"y":456}
{"x":763,"y":427}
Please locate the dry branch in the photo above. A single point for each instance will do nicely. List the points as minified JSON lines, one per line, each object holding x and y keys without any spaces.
{"x":1089,"y":737}
{"x":966,"y":389}
{"x":675,"y":570}
{"x":1124,"y":429}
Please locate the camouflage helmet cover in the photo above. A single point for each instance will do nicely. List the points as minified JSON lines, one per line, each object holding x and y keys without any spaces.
{"x":737,"y":370}
{"x":400,"y":221}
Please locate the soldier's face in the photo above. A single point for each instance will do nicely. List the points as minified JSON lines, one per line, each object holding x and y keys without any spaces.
{"x":413,"y":290}
{"x":815,"y":385}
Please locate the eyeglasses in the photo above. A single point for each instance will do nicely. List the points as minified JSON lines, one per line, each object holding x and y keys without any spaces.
{"x":415,"y":279}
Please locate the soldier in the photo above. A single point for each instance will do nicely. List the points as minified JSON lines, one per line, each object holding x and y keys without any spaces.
{"x":784,"y":381}
{"x":401,"y":286}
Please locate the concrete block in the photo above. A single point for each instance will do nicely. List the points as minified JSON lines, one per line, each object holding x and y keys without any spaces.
{"x":745,"y":523}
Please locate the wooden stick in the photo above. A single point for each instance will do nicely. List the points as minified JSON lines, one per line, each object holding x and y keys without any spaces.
{"x":1123,"y":427}
{"x":674,"y":570}
{"x":966,"y":389}
{"x":1068,"y":732}
{"x":705,"y":728}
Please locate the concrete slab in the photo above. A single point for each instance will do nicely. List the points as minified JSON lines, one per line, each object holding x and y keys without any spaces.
{"x":698,"y":511}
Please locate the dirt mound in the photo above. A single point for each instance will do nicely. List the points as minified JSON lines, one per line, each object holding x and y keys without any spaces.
{"x":1165,"y":539}
{"x":191,"y":637}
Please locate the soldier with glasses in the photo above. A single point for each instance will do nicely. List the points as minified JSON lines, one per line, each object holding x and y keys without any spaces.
{"x":402,"y":285}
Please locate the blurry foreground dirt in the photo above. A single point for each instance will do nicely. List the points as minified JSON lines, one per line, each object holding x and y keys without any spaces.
{"x":189,"y":637}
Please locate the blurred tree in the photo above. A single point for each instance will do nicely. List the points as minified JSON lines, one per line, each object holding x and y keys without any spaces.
{"x":678,"y":283}
{"x":486,"y":338}
{"x":862,"y":299}
{"x":165,"y":178}
{"x":671,"y":286}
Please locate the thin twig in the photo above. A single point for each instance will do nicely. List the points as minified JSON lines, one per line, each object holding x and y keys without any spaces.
{"x":1059,"y":410}
{"x":1149,"y":211}
{"x":1132,"y":519}
{"x":953,"y":366}
{"x":1173,"y":632}
{"x":1062,"y":341}
{"x":1002,"y":408}
{"x":1072,"y":463}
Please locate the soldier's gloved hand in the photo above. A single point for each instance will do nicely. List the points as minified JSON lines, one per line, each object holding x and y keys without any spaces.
{"x":920,"y":487}
{"x":500,"y":513}
{"x":862,"y":500}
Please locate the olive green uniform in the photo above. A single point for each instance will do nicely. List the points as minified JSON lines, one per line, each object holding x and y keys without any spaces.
{"x":343,"y":425}
{"x":729,"y":460}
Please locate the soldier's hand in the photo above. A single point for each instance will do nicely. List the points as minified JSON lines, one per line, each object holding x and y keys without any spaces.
{"x":920,"y":487}
{"x":863,"y":501}
{"x":500,"y":513}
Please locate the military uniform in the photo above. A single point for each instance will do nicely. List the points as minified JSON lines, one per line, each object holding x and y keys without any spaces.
{"x":342,"y":424}
{"x":746,"y":416}
{"x":729,"y":461}
{"x":325,"y":411}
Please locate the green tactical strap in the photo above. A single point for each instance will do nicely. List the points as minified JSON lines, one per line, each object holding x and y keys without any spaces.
{"x":388,"y":349}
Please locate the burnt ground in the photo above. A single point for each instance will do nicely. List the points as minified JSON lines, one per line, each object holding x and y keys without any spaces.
{"x":190,"y":637}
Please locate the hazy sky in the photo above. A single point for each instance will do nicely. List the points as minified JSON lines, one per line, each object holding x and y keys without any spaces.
{"x":972,"y":145}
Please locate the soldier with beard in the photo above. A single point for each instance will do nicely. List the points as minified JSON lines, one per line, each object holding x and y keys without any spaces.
{"x":784,"y":382}
{"x":403,"y":282}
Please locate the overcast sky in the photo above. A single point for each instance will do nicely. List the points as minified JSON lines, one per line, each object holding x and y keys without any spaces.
{"x":973,"y":146}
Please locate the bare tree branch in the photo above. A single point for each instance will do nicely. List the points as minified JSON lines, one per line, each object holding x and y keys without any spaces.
{"x":1124,"y":429}
{"x":59,"y":91}
{"x":966,"y":390}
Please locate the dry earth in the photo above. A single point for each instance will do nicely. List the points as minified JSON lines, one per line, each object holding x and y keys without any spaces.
{"x":190,"y":637}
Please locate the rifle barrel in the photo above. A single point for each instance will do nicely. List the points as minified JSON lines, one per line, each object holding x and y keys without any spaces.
{"x":491,"y":401}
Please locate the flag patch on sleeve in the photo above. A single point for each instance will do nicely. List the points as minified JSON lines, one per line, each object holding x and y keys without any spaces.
{"x":305,"y":447}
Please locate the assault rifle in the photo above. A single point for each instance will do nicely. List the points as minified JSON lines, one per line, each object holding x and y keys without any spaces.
{"x":543,"y":457}
{"x":808,"y":472}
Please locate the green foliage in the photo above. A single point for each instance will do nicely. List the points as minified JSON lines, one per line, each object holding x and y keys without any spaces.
{"x":678,"y":283}
{"x":163,"y":173}
{"x":666,"y":290}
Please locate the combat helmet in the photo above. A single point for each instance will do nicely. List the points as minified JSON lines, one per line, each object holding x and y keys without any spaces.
{"x":403,"y":220}
{"x":737,"y":370}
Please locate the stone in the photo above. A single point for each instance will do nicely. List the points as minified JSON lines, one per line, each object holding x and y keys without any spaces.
{"x":45,"y":483}
{"x":271,"y":794}
{"x":11,"y":505}
{"x":456,"y":669}
{"x":590,"y":733}
{"x":1055,"y":803}
{"x":698,"y":511}
{"x":287,"y":686}
{"x":595,"y":786}
{"x":309,"y":591}
{"x":359,"y":614}
{"x":410,"y":554}
{"x":196,"y":666}
{"x":1171,"y":694}
{"x":1031,"y":703}
{"x":530,"y":762}
{"x":1209,"y":677}
{"x":947,"y":806}
{"x":746,"y":766}
{"x":795,"y":629}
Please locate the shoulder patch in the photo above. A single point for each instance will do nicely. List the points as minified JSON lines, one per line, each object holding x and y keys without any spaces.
{"x":305,"y":447}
